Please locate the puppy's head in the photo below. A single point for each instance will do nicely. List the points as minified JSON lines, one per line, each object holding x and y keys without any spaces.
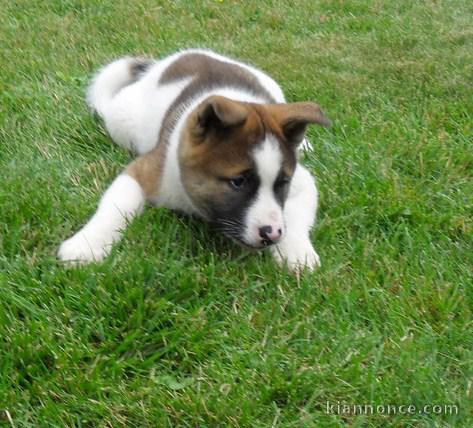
{"x":237,"y":160}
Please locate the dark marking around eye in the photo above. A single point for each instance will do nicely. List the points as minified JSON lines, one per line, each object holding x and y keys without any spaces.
{"x":281,"y":187}
{"x":282,"y":181}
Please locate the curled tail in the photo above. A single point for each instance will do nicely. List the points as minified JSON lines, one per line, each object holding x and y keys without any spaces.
{"x":112,"y":78}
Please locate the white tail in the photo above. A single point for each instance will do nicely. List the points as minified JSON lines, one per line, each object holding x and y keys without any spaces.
{"x":111,"y":79}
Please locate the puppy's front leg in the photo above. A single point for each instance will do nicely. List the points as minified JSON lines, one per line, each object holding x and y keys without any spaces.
{"x":122,"y":201}
{"x":299,"y":212}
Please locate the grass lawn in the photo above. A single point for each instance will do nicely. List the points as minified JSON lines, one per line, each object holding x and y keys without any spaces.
{"x":181,"y":328}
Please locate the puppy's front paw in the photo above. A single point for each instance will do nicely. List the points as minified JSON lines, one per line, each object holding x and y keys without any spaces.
{"x":298,"y":255}
{"x":79,"y":250}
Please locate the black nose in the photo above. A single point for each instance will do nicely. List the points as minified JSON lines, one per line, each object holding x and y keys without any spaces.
{"x":265,"y":231}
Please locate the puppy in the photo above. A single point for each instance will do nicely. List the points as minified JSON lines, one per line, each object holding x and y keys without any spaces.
{"x":214,"y":137}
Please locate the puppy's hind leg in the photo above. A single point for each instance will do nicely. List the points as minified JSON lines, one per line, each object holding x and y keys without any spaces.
{"x":122,"y":201}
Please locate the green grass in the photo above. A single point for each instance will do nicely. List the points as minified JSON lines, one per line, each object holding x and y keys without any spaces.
{"x":182,"y":328}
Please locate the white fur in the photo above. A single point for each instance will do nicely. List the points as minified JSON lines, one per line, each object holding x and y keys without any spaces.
{"x":295,"y":246}
{"x":133,"y":113}
{"x":265,"y":211}
{"x":107,"y":83}
{"x":122,"y":201}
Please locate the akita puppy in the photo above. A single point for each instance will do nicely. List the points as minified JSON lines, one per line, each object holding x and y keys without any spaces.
{"x":214,"y":137}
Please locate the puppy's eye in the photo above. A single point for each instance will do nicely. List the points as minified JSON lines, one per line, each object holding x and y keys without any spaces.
{"x":237,"y":182}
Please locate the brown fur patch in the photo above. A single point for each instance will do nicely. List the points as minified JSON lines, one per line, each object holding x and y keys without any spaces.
{"x":147,"y":171}
{"x":211,"y":73}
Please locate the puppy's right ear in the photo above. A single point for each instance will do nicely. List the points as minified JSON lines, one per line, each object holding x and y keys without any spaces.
{"x":218,"y":113}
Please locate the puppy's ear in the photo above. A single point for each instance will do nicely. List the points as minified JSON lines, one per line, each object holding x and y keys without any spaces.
{"x":294,"y":118}
{"x":218,"y":113}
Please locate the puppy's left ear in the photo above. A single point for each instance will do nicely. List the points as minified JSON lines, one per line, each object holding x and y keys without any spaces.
{"x":295,"y":117}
